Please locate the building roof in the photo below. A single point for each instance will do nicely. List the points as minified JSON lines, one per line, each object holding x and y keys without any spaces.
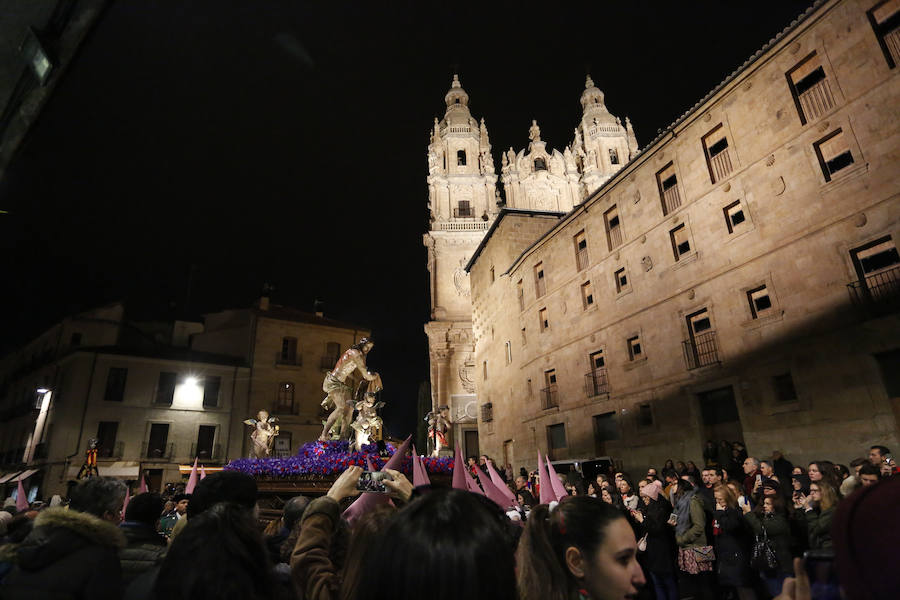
{"x":503,"y":212}
{"x":286,"y":313}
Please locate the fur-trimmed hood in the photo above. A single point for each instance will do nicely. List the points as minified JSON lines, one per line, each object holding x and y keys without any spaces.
{"x":58,"y":532}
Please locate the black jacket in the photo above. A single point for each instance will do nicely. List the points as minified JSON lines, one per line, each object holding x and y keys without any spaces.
{"x":778,"y":531}
{"x":660,"y":555}
{"x":145,"y":548}
{"x":68,"y":555}
{"x":733,"y":545}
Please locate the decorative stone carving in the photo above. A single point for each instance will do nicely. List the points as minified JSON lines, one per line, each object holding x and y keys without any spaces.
{"x":770,"y":160}
{"x":778,"y":186}
{"x":458,"y":336}
{"x":691,"y":294}
{"x":726,"y":187}
{"x":860,"y":220}
{"x":647,"y":263}
{"x":637,"y":196}
{"x":466,"y":369}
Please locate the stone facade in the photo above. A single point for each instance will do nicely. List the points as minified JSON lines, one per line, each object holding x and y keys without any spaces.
{"x":737,"y":279}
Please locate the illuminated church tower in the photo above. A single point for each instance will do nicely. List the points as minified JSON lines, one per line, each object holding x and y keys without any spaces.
{"x":463,"y":203}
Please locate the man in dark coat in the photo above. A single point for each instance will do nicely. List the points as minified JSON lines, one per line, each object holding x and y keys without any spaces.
{"x":146,"y":546}
{"x":72,"y":553}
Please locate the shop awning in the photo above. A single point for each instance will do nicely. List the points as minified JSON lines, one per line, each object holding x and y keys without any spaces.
{"x":126,"y":469}
{"x":24,"y":475}
{"x":9,"y":476}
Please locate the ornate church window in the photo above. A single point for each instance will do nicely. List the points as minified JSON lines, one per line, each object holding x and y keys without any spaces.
{"x":540,"y":164}
{"x":613,"y":156}
{"x":461,"y":158}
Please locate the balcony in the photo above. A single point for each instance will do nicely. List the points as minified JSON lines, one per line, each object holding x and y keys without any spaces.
{"x":326,"y":363}
{"x":878,"y":291}
{"x":671,"y":199}
{"x":701,"y":350}
{"x":615,"y":237}
{"x":116,"y":450}
{"x":206,"y":452}
{"x":463,"y":212}
{"x":158,"y":452}
{"x":596,"y":383}
{"x":549,"y":397}
{"x":720,"y":164}
{"x":817,"y":100}
{"x":289,"y":360}
{"x":582,"y":259}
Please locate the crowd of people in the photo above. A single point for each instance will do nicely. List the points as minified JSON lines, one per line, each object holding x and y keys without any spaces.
{"x":736,"y":527}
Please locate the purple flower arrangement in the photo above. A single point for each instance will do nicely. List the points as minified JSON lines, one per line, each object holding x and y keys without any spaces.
{"x":319,"y":459}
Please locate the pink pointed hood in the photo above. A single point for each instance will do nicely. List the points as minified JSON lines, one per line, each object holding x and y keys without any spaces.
{"x":472,"y":486}
{"x":491,"y":491}
{"x":500,"y":484}
{"x":459,"y":471}
{"x":368,"y":501}
{"x":202,"y":472}
{"x":192,"y":480}
{"x":420,"y":475}
{"x":143,"y":487}
{"x":559,"y":490}
{"x":21,"y":498}
{"x":546,"y":485}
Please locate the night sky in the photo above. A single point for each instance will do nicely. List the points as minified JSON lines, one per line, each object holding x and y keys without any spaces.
{"x":284,"y":143}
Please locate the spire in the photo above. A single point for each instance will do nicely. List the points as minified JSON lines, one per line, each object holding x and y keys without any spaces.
{"x":589,"y":83}
{"x":632,"y":139}
{"x":457,"y":95}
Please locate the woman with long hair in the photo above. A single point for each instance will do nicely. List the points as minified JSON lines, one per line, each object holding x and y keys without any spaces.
{"x":732,"y":542}
{"x":689,"y":523}
{"x":769,"y":521}
{"x":582,"y":549}
{"x":659,"y":555}
{"x":819,"y":509}
{"x":823,"y":470}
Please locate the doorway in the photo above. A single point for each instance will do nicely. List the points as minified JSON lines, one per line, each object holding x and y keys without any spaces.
{"x":719,"y":414}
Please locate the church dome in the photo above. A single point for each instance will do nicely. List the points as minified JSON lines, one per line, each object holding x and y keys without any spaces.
{"x":458,"y":106}
{"x":593,"y":105}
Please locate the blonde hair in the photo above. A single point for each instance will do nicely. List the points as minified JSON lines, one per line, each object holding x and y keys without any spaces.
{"x":728,"y":493}
{"x":830,"y":496}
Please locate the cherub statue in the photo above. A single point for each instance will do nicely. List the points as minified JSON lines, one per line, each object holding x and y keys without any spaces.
{"x":89,"y":468}
{"x":264,"y":433}
{"x":367,"y":420}
{"x":438,"y":423}
{"x":338,"y":387}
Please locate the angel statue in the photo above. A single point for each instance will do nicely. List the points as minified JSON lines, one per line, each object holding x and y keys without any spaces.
{"x":339,"y":388}
{"x":264,"y":433}
{"x":367,"y":422}
{"x":438,"y":423}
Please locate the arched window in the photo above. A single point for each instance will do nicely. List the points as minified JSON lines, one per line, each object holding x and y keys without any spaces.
{"x":461,"y":158}
{"x":540,"y":164}
{"x":613,"y":156}
{"x":284,"y":403}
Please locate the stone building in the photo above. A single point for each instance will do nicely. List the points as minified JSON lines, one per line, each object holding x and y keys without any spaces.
{"x":464,"y":202}
{"x":156,"y":395}
{"x":737,"y":279}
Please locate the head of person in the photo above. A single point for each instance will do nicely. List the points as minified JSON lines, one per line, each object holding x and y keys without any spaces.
{"x":691,"y":466}
{"x":800,"y":483}
{"x":651,"y":491}
{"x":471,"y":461}
{"x":457,"y":538}
{"x":771,"y":487}
{"x":366,"y":530}
{"x":869,"y":474}
{"x":735,"y":488}
{"x":169,"y":506}
{"x":670,"y":476}
{"x":765,"y":467}
{"x":683,"y":487}
{"x":706,"y":477}
{"x":692,"y":478}
{"x":521,"y":482}
{"x":224,"y":486}
{"x":725,"y":496}
{"x":99,"y":496}
{"x":182,"y":501}
{"x":680,"y":466}
{"x":624,"y":486}
{"x":145,"y":509}
{"x":771,"y":505}
{"x":482,"y":460}
{"x":606,"y":496}
{"x":856,"y":463}
{"x":887,"y":468}
{"x":798,"y":470}
{"x":877,"y":454}
{"x":751,"y":465}
{"x":777,"y":455}
{"x":293,"y":510}
{"x":581,"y":544}
{"x":651,"y":472}
{"x":619,"y":475}
{"x":823,"y":495}
{"x":842,"y":472}
{"x":822,"y":470}
{"x":221,"y":554}
{"x":668,"y":464}
{"x":601,"y":478}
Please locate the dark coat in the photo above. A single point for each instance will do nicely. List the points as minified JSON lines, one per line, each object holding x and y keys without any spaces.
{"x":733,"y":544}
{"x":778,"y":530}
{"x":68,"y":555}
{"x":660,"y":555}
{"x":314,"y":574}
{"x":144,"y":548}
{"x":818,"y":528}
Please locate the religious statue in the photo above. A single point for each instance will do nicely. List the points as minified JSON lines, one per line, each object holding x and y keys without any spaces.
{"x":89,"y":468}
{"x":438,"y":423}
{"x":534,"y":132}
{"x":337,"y":385}
{"x":367,"y":422}
{"x":263,"y":436}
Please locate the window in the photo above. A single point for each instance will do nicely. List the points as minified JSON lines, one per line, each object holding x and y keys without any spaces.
{"x":606,"y":429}
{"x":157,"y":446}
{"x":784,"y":388}
{"x":581,"y":251}
{"x":645,"y":415}
{"x":833,"y":153}
{"x":106,"y":438}
{"x":75,"y":340}
{"x":759,"y":301}
{"x":484,"y":370}
{"x":667,"y":182}
{"x":211,"y":386}
{"x":508,"y":352}
{"x":520,"y":293}
{"x":548,"y":393}
{"x":587,"y":295}
{"x":332,"y":354}
{"x":597,"y":360}
{"x":524,"y":337}
{"x":877,"y":265}
{"x":461,"y":158}
{"x":487,"y":412}
{"x":165,"y":388}
{"x":206,"y":436}
{"x":115,"y":384}
{"x":635,"y":351}
{"x":885,"y":20}
{"x":613,"y":228}
{"x":734,"y":215}
{"x":613,"y":156}
{"x":492,"y":275}
{"x":621,"y":278}
{"x":540,"y":284}
{"x":284,"y":402}
{"x":540,"y":164}
{"x":810,"y":89}
{"x":464,"y":209}
{"x":715,"y":147}
{"x":288,"y":354}
{"x":681,"y":243}
{"x":556,"y":437}
{"x":595,"y":381}
{"x":701,"y":348}
{"x":542,"y":317}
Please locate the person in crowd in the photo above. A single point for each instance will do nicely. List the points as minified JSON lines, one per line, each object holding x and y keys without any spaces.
{"x":738,"y":491}
{"x":769,"y":522}
{"x":629,"y":499}
{"x":611,"y":497}
{"x":691,"y":469}
{"x":732,"y":544}
{"x":869,"y":474}
{"x":652,"y":473}
{"x":669,"y":464}
{"x":819,"y":508}
{"x":689,"y":523}
{"x":852,"y":483}
{"x":591,"y":490}
{"x":709,"y":478}
{"x":280,"y":529}
{"x":823,"y":470}
{"x":782,"y":466}
{"x":581,"y":549}
{"x":670,"y":477}
{"x":72,"y":552}
{"x":888,"y":467}
{"x":798,"y":470}
{"x":659,"y":560}
{"x":767,"y":470}
{"x":366,"y":530}
{"x":842,"y":472}
{"x":752,"y":476}
{"x":680,"y":467}
{"x":710,"y":454}
{"x":877,"y":454}
{"x":523,"y":494}
{"x":145,"y":545}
